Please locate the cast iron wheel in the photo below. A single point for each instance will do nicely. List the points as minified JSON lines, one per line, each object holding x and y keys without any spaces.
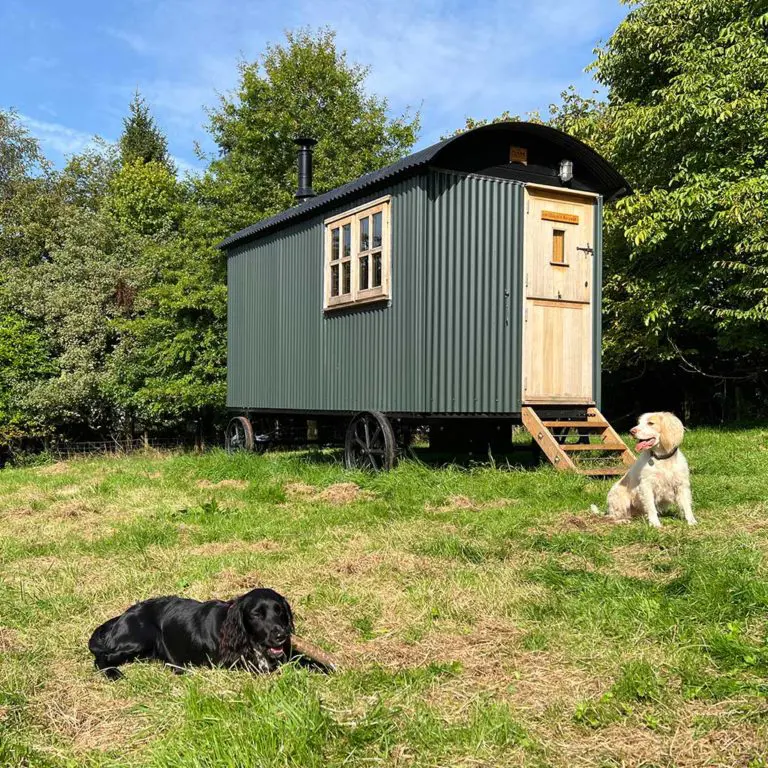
{"x":239,"y":435}
{"x":266,"y":433}
{"x":370,"y":442}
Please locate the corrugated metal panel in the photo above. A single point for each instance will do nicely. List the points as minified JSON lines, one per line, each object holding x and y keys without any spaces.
{"x":449,"y":342}
{"x":474,"y":294}
{"x":285,"y":353}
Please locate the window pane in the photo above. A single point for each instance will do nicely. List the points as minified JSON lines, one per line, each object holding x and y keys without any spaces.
{"x":558,"y":246}
{"x":363,"y":273}
{"x":334,"y":244}
{"x":377,"y":230}
{"x":365,"y":225}
{"x":335,"y":280}
{"x":347,"y":240}
{"x":346,"y":275}
{"x":376,"y":281}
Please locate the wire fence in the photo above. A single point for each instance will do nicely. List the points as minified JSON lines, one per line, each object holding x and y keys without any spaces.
{"x":119,"y":446}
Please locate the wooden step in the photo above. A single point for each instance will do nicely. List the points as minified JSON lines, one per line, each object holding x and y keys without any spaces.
{"x":614,"y":471}
{"x":546,"y":440}
{"x":593,"y":447}
{"x":563,"y":455}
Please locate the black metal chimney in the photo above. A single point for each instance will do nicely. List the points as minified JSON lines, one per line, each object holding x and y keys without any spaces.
{"x":305,"y":191}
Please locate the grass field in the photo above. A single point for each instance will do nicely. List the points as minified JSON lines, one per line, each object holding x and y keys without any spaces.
{"x":481,"y":616}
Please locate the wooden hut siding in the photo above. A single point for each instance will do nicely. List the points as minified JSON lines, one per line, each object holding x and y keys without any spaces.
{"x":285,"y":353}
{"x":474,"y":257}
{"x":597,"y":306}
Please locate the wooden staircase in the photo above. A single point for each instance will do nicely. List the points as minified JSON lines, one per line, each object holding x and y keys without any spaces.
{"x":591,"y":447}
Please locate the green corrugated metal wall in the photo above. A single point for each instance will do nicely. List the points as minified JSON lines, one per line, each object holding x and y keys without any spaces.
{"x":284,"y":353}
{"x":475,"y":294}
{"x":450,"y":341}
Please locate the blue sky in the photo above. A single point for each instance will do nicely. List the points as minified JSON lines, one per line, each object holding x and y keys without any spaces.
{"x":70,"y":68}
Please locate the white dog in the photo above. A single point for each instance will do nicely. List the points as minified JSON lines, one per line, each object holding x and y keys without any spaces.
{"x":660,"y":476}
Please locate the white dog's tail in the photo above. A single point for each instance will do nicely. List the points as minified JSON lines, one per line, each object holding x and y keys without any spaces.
{"x":595,"y":511}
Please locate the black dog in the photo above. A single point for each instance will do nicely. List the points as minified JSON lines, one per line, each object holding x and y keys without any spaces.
{"x":252,"y":631}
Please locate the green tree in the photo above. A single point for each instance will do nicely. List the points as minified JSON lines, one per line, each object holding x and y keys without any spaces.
{"x":24,"y":361}
{"x":145,"y":197}
{"x":687,"y":123}
{"x":85,"y":180}
{"x":74,"y":298}
{"x":170,"y":368}
{"x":172,"y":357}
{"x":304,"y":86}
{"x":19,"y":153}
{"x":142,"y":139}
{"x":29,"y":206}
{"x":28,"y":195}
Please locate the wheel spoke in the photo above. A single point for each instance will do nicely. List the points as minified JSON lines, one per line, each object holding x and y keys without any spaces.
{"x":369,"y":442}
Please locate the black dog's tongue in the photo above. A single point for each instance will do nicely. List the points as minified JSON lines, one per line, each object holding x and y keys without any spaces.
{"x":275,"y":651}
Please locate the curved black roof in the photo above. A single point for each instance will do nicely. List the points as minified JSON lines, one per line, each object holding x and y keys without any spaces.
{"x":602,"y":177}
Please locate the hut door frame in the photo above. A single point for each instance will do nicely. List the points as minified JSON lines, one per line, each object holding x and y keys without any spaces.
{"x":559,"y":264}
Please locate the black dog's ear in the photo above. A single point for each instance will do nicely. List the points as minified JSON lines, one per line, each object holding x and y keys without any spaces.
{"x":289,"y":612}
{"x":234,"y":645}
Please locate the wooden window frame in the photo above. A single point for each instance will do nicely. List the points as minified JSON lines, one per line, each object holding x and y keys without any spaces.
{"x":553,"y":261}
{"x":358,"y":296}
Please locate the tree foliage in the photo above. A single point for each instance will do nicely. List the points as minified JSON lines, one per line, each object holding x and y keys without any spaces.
{"x":303,"y":86}
{"x":27,"y":194}
{"x":146,"y":198}
{"x":174,"y":350}
{"x":687,"y":123}
{"x":24,"y":360}
{"x":142,"y":140}
{"x":686,"y":254}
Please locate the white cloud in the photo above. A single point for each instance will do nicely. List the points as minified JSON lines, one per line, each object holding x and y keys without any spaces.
{"x":59,"y":138}
{"x":184,"y":167}
{"x":447,"y":58}
{"x":453,"y":59}
{"x":65,"y":141}
{"x":40,"y":63}
{"x":137,"y":43}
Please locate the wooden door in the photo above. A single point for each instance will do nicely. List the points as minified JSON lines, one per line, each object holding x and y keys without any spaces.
{"x":557,"y":305}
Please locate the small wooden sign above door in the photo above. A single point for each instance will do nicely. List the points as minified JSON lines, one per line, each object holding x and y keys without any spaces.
{"x":518,"y":155}
{"x":565,"y":218}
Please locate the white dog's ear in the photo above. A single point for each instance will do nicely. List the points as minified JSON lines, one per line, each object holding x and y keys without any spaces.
{"x":671,"y":431}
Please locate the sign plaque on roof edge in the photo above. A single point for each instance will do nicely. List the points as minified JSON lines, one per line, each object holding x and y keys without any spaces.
{"x":518,"y":155}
